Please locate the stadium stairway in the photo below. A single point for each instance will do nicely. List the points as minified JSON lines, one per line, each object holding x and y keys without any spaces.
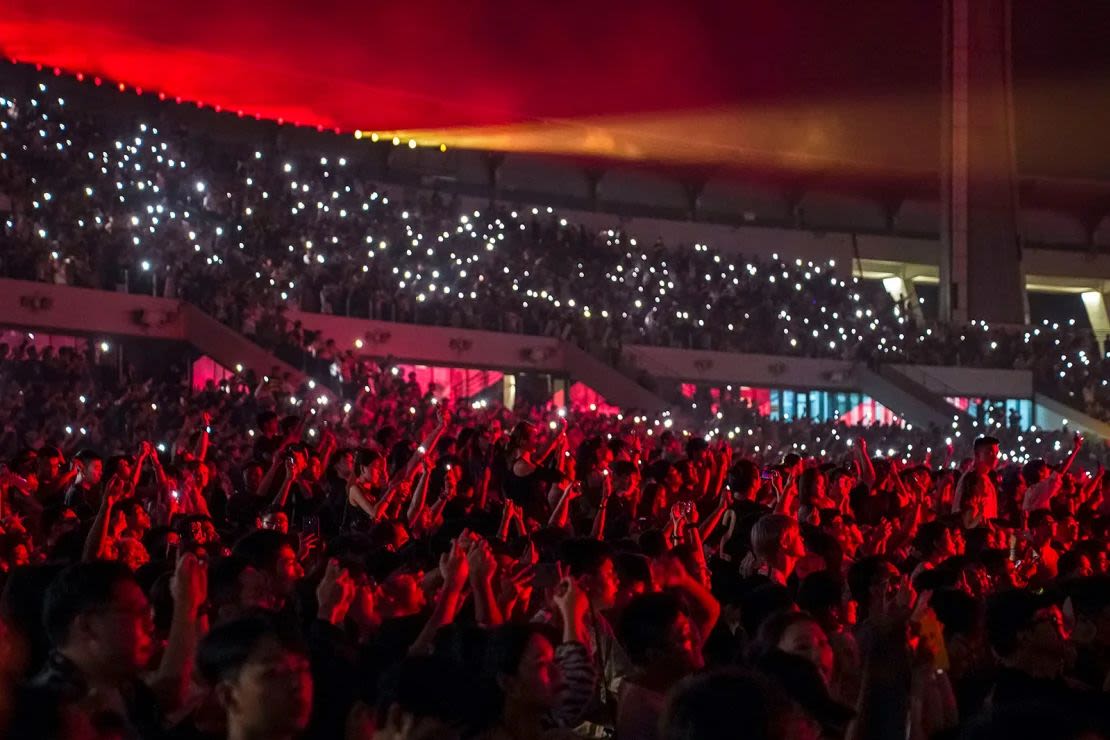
{"x":906,"y":397}
{"x":474,"y":348}
{"x":1048,"y":413}
{"x":63,"y":309}
{"x":618,"y":387}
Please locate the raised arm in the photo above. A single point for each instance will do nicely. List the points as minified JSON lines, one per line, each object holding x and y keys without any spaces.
{"x":455,"y":570}
{"x":1077,"y":443}
{"x":866,"y":469}
{"x":419,"y":497}
{"x":97,"y":540}
{"x":443,"y":419}
{"x":205,"y":428}
{"x":561,"y":511}
{"x":174,"y":675}
{"x":282,"y":496}
{"x":598,"y":531}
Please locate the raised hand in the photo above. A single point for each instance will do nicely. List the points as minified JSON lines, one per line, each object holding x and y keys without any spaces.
{"x":190,"y":584}
{"x":335,"y":593}
{"x":308,"y":543}
{"x":481,"y":562}
{"x":453,"y":565}
{"x":570,"y":599}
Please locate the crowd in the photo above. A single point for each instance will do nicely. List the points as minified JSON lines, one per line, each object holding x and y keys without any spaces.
{"x":248,"y":231}
{"x":257,"y":561}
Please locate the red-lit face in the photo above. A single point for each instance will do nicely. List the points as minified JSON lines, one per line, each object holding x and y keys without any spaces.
{"x":21,"y":556}
{"x":986,"y":457}
{"x":287,"y":570}
{"x":403,"y":593}
{"x":92,"y":471}
{"x":686,"y":645}
{"x":51,"y":467}
{"x":272,"y":695}
{"x":792,"y":543}
{"x":537,"y":680}
{"x":345,"y":464}
{"x":807,"y":640}
{"x":120,"y":633}
{"x":603,"y":586}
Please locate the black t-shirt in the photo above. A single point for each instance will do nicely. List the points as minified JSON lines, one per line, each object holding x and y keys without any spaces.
{"x":85,"y":501}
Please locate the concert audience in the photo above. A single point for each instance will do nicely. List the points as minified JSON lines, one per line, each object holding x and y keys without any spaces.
{"x":249,"y":232}
{"x":228,"y":564}
{"x":257,"y":561}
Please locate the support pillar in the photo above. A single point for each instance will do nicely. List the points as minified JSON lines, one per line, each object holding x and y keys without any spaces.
{"x":1098,"y":314}
{"x":980,"y":267}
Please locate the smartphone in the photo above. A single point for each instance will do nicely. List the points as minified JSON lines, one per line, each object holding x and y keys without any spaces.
{"x":311,"y":524}
{"x":765,"y":475}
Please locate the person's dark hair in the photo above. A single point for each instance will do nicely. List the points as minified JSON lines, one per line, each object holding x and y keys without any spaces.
{"x":743,"y":475}
{"x":929,"y":536}
{"x":223,"y":579}
{"x":761,"y":602}
{"x":1069,"y":562}
{"x":86,"y":455}
{"x":1038,"y":517}
{"x":78,"y":589}
{"x":265,"y":418}
{"x":774,"y":627}
{"x":520,"y":440}
{"x":981,"y":443}
{"x":645,"y":622}
{"x":364,"y":458}
{"x":226,"y":649}
{"x":1031,"y":471}
{"x":624,"y":468}
{"x":696,"y":445}
{"x":1008,"y":614}
{"x":820,"y":592}
{"x":428,"y":686}
{"x":632,"y":568}
{"x":658,"y":470}
{"x":957,"y":610}
{"x":49,"y":452}
{"x":504,"y":649}
{"x":706,"y":707}
{"x":112,"y":464}
{"x":21,"y":606}
{"x":262,"y":547}
{"x":584,"y":556}
{"x":130,"y":506}
{"x":862,"y":575}
{"x":807,"y":485}
{"x":801,"y":680}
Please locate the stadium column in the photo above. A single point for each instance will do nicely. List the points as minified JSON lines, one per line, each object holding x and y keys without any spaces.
{"x":980,"y":256}
{"x":1098,"y":314}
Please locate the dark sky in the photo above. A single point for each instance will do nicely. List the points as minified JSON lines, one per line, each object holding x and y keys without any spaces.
{"x":421,"y":63}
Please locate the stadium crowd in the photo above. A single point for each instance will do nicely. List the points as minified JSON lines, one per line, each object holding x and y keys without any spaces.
{"x":262,"y":560}
{"x":257,"y":561}
{"x":114,"y":202}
